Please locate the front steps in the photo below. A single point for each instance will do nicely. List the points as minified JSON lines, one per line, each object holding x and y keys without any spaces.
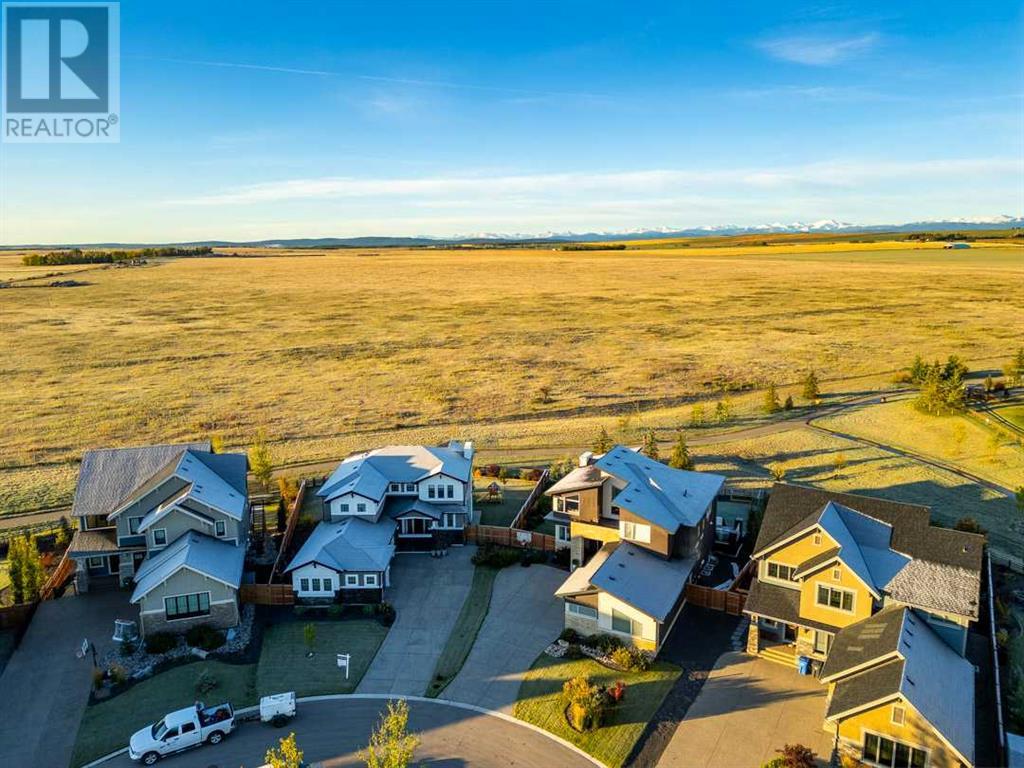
{"x":780,"y":655}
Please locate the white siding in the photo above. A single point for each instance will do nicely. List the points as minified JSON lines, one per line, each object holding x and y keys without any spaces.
{"x":353,"y":501}
{"x":606,"y":603}
{"x":329,"y":580}
{"x":440,"y":485}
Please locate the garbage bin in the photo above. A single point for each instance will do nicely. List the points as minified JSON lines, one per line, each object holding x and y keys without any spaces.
{"x":804,"y":665}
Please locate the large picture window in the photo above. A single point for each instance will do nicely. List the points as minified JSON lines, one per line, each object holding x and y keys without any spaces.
{"x":187,"y":606}
{"x":879,"y":750}
{"x":622,"y":623}
{"x":415,"y":526}
{"x":831,"y":597}
{"x":780,"y":571}
{"x":581,"y":610}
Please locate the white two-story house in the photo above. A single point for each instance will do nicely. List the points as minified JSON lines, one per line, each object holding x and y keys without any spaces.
{"x":168,"y":521}
{"x":398,"y":498}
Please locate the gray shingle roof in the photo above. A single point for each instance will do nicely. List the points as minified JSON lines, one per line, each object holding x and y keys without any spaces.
{"x":349,"y":545}
{"x":576,"y":480}
{"x":657,"y":493}
{"x":85,"y":543}
{"x":647,"y":582}
{"x":868,"y":639}
{"x":368,"y":474}
{"x":399,"y":506}
{"x":219,"y":560}
{"x":944,"y":570}
{"x":931,"y":676}
{"x":780,"y":603}
{"x":108,"y":476}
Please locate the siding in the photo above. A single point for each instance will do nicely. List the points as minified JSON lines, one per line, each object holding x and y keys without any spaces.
{"x":185,"y":582}
{"x":661,"y":540}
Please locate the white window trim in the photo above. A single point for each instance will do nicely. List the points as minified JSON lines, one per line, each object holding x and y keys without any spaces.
{"x":351,"y":579}
{"x":778,"y":579}
{"x":585,"y":611}
{"x":220,"y":528}
{"x":304,"y":584}
{"x":902,"y":715}
{"x":370,"y":580}
{"x":139,"y":520}
{"x":639,"y":532}
{"x":155,"y":544}
{"x":860,"y":748}
{"x":209,"y":605}
{"x":853,"y":595}
{"x":102,"y":564}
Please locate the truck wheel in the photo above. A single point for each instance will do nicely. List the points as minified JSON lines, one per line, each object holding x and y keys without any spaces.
{"x":215,"y":738}
{"x":150,"y":758}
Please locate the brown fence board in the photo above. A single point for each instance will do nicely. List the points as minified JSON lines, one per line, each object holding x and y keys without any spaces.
{"x":509,"y":537}
{"x":267,"y":594}
{"x":716,"y":599}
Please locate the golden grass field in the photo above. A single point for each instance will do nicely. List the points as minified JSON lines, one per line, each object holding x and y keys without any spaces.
{"x":516,"y":348}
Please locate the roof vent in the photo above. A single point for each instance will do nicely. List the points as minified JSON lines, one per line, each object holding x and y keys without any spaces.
{"x":622,"y":565}
{"x":909,"y":680}
{"x":611,"y":578}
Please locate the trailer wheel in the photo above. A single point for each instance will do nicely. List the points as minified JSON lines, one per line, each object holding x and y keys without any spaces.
{"x":215,"y":738}
{"x":150,"y":758}
{"x":279,"y":721}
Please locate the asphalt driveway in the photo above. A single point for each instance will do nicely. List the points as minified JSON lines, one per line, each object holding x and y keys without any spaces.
{"x":428,"y":594}
{"x":747,"y":709}
{"x":45,"y":687}
{"x":524,"y":617}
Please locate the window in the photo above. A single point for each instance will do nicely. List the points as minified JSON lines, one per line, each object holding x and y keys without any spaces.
{"x":562,"y":533}
{"x":343,"y":507}
{"x":830,"y":597}
{"x":414,"y":526}
{"x":170,"y":733}
{"x":581,"y":610}
{"x":622,"y":623}
{"x":571,"y":504}
{"x":159,"y":537}
{"x":316,"y":585}
{"x":410,"y":487}
{"x":361,"y":508}
{"x":892,"y":754}
{"x":187,"y":606}
{"x":837,"y":574}
{"x":220,"y":529}
{"x":431,"y":492}
{"x":780,"y":571}
{"x":187,"y":728}
{"x":451,"y":491}
{"x":133,"y":524}
{"x":370,"y":580}
{"x":635,"y":531}
{"x":817,"y":539}
{"x":351,"y":579}
{"x":96,"y":562}
{"x":451,"y":520}
{"x":304,"y":585}
{"x":899,"y":715}
{"x":395,"y":487}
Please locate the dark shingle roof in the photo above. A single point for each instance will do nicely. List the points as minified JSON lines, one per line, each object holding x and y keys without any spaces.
{"x":781,"y":603}
{"x":108,"y":476}
{"x":868,"y":639}
{"x":866,"y":687}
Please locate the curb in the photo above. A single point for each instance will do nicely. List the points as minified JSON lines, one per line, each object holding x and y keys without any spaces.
{"x":387,"y":697}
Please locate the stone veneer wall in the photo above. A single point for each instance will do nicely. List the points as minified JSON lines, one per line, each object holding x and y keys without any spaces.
{"x":753,"y":638}
{"x":221,"y":616}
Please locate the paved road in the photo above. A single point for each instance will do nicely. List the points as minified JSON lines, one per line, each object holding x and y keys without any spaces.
{"x":44,"y":688}
{"x":428,"y":594}
{"x":524,"y":618}
{"x":333,"y":732}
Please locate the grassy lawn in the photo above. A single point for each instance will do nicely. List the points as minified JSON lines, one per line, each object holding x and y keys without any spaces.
{"x":107,"y":726}
{"x":513,"y":495}
{"x":464,"y":633}
{"x":540,"y":703}
{"x":283,"y":665}
{"x":1014,"y":413}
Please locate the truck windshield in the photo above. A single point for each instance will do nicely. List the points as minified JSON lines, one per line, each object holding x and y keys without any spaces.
{"x":159,"y":728}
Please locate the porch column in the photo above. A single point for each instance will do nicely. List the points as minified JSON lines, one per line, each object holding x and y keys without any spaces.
{"x":753,"y":637}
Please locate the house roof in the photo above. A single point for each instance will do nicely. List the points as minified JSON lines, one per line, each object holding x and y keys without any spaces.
{"x":107,"y":476}
{"x":197,"y":552}
{"x":93,"y":543}
{"x":349,"y":545}
{"x":890,"y":545}
{"x":578,"y":479}
{"x":931,"y":676}
{"x":635,"y":576}
{"x":399,"y":506}
{"x":579,"y":580}
{"x":664,"y":496}
{"x":780,"y":603}
{"x":368,"y":474}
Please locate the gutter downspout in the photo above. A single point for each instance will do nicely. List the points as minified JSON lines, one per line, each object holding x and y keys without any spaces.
{"x":995,"y":658}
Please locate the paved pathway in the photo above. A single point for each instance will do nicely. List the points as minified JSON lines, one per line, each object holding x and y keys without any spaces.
{"x":44,"y":688}
{"x":524,"y":617}
{"x":334,"y":731}
{"x":428,"y":594}
{"x":746,"y":710}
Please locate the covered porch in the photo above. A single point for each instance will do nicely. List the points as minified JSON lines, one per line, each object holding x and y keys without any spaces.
{"x":777,"y":631}
{"x":100,"y":563}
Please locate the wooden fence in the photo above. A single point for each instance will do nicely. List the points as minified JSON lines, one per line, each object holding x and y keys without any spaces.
{"x":509,"y":537}
{"x":289,"y":530}
{"x":267,"y":594}
{"x":716,"y":599}
{"x":531,"y":500}
{"x":61,"y":575}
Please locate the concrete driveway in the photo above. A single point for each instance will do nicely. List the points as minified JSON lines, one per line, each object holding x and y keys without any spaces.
{"x":332,"y":732}
{"x":523,"y":619}
{"x":746,"y":710}
{"x":428,"y":594}
{"x":45,"y":687}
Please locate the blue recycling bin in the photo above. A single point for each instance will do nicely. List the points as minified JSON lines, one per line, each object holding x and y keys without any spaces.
{"x":804,"y":665}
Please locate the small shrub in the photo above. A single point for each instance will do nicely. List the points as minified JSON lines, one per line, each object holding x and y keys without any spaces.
{"x":570,"y":635}
{"x":585,"y":703}
{"x":117,"y":674}
{"x":205,"y":683}
{"x":632,"y":659}
{"x":161,"y":642}
{"x":796,"y":756}
{"x":573,"y":652}
{"x":204,"y":636}
{"x":335,"y":610}
{"x":497,"y":557}
{"x":603,"y":642}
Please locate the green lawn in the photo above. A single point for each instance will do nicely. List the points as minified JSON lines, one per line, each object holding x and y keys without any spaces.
{"x":1014,"y":413}
{"x":513,"y":495}
{"x":463,"y":634}
{"x":107,"y":726}
{"x":284,"y":666}
{"x":540,"y":703}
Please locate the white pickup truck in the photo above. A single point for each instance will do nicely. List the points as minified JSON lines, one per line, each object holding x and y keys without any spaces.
{"x":182,"y":729}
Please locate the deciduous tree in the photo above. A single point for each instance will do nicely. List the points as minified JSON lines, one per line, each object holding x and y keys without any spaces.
{"x":391,"y":745}
{"x":681,"y":458}
{"x":286,"y":754}
{"x":261,"y":461}
{"x":602,"y":443}
{"x":771,"y":399}
{"x":811,"y":391}
{"x":650,"y":446}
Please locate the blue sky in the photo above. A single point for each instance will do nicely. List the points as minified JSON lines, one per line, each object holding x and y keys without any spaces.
{"x":251,"y":120}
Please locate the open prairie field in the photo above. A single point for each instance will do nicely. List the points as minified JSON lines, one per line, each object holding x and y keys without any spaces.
{"x":336,"y":350}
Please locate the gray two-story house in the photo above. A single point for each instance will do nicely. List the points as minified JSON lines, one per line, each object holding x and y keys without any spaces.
{"x":171,"y":523}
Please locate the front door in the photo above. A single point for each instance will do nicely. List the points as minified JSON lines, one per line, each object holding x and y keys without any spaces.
{"x":822,"y":642}
{"x":114,"y":563}
{"x":790,"y":633}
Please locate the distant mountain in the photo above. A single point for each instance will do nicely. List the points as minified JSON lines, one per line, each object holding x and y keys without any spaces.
{"x":495,"y":238}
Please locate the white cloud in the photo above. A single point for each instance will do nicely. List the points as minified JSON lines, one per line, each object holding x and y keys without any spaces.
{"x":818,"y":50}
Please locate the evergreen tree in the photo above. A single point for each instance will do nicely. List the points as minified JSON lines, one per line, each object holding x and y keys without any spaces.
{"x":650,"y":447}
{"x":680,"y":458}
{"x":723,"y":411}
{"x":697,"y":415}
{"x":788,"y":404}
{"x":811,"y":391}
{"x":771,"y":399}
{"x":918,"y":370}
{"x":603,"y":443}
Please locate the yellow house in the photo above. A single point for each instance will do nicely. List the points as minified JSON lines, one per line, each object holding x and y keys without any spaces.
{"x":826,"y":561}
{"x":898,"y":695}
